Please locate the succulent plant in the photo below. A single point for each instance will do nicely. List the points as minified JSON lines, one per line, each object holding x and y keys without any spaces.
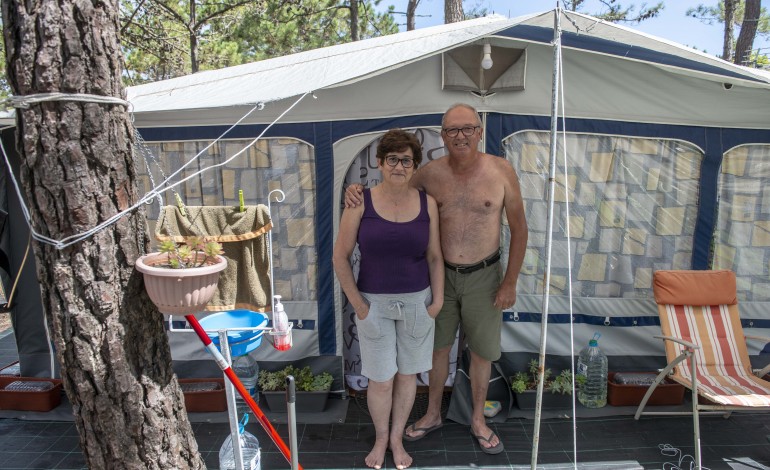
{"x":562,"y":383}
{"x":193,"y":253}
{"x":304,"y":380}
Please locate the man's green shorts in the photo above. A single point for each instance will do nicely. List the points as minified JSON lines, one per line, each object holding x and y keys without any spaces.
{"x":469,"y":299}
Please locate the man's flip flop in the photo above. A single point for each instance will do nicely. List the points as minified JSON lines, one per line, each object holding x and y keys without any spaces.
{"x":424,"y":431}
{"x":494,"y":450}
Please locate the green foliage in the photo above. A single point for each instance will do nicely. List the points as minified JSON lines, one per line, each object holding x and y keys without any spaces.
{"x":163,"y":39}
{"x":562,"y":383}
{"x":716,"y":14}
{"x":616,"y":13}
{"x":304,"y":379}
{"x":193,"y":253}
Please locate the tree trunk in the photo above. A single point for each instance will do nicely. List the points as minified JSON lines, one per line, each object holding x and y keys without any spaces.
{"x":453,"y":11}
{"x":745,"y":44}
{"x":193,"y":39}
{"x":77,"y":171}
{"x":354,"y":20}
{"x":411,"y":10}
{"x":727,"y":45}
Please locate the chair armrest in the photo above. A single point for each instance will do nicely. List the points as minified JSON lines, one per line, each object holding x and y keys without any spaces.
{"x":677,"y":340}
{"x":760,"y":338}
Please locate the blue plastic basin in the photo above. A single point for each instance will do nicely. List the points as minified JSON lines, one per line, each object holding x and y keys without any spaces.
{"x":235,"y":319}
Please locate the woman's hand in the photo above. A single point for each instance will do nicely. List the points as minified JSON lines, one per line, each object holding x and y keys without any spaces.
{"x":434,"y":309}
{"x":362,"y":311}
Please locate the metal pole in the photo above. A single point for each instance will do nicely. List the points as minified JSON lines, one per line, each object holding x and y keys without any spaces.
{"x":549,"y":231}
{"x":291,"y":399}
{"x":232,"y":410}
{"x":279,"y":197}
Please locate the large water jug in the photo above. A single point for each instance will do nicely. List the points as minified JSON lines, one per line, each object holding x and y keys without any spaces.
{"x":249,"y":450}
{"x":592,"y":364}
{"x":247,"y":370}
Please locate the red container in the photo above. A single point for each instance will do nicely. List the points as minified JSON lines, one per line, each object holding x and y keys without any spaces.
{"x":666,"y":393}
{"x":205,"y":401}
{"x":29,"y":400}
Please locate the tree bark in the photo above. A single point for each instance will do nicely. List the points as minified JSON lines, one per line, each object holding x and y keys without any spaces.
{"x":77,"y":171}
{"x":411,"y":10}
{"x":727,"y":44}
{"x":453,"y":11}
{"x":745,"y":44}
{"x":354,"y":20}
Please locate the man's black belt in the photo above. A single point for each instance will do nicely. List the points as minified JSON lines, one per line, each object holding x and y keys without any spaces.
{"x":474,"y":267}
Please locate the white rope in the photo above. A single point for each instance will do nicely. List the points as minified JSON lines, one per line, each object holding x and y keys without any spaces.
{"x":27,"y":100}
{"x":150,"y":195}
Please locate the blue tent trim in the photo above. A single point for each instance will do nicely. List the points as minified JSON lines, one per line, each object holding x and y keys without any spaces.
{"x":619,"y":49}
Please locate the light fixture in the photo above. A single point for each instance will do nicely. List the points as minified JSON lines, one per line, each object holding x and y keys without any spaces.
{"x":486,"y":62}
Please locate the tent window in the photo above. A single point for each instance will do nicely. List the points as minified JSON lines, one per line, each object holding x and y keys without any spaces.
{"x":742,"y":234}
{"x":285,"y":164}
{"x":632,"y":203}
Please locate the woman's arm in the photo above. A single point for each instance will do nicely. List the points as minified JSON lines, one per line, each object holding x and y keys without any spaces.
{"x":343,"y":248}
{"x":435,"y":261}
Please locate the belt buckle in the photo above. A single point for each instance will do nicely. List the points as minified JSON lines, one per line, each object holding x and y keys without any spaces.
{"x":458,"y":269}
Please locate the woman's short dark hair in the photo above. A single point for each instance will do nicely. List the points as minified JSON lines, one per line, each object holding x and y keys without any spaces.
{"x":398,"y":140}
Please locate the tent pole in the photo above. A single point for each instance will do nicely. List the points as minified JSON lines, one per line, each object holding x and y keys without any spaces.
{"x":549,"y":231}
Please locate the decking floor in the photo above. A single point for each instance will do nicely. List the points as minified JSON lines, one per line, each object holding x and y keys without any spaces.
{"x":618,"y":442}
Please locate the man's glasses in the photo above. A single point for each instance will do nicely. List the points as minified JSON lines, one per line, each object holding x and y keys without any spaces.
{"x":405,"y":162}
{"x":467,"y":131}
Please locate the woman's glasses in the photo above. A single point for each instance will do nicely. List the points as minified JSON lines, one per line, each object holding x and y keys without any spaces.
{"x":467,"y":131}
{"x":405,"y":162}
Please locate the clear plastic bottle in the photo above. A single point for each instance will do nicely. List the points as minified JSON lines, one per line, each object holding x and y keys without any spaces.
{"x":247,"y":370}
{"x":282,"y":339}
{"x":592,"y":363}
{"x":249,"y":450}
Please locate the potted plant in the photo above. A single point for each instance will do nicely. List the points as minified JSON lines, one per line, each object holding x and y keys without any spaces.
{"x":182,"y":279}
{"x":312,"y":389}
{"x":558,"y":388}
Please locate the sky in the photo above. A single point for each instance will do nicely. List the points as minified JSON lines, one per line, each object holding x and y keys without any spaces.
{"x":671,"y":24}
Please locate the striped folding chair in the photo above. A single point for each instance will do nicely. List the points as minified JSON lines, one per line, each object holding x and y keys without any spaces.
{"x":705,"y":346}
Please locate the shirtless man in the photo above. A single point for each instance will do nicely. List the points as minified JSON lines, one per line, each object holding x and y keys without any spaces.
{"x":473,"y":190}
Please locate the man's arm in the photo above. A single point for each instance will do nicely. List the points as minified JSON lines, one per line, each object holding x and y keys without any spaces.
{"x":517,"y":221}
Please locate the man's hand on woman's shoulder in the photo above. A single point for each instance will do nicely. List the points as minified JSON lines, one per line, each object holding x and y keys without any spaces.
{"x":354,"y":195}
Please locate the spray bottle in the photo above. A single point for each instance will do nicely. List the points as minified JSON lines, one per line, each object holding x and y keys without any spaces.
{"x":282,"y":333}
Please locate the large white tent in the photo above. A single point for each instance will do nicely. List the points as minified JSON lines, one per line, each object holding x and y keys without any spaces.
{"x":668,"y":153}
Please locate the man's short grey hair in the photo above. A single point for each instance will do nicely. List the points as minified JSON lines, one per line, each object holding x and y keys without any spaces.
{"x":461,"y":105}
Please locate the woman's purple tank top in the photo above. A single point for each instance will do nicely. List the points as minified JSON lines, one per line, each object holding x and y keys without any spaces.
{"x":393,"y":253}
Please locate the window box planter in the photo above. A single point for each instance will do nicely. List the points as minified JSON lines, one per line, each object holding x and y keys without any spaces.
{"x":666,"y":393}
{"x":17,"y":398}
{"x":527,"y":400}
{"x":204,"y":395}
{"x":307,"y":402}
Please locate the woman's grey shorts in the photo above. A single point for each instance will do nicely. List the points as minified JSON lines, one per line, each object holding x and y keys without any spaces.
{"x":396,"y":335}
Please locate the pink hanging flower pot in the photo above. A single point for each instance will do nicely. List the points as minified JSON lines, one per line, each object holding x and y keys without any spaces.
{"x":180,"y":290}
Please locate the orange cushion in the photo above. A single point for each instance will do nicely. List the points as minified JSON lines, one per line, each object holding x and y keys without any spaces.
{"x":679,"y":287}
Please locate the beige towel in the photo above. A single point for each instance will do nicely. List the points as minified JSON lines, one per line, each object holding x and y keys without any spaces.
{"x":245,"y":284}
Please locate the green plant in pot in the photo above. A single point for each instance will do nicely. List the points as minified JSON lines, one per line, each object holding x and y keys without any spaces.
{"x":524,"y":385}
{"x":181,"y":279}
{"x":312,"y":389}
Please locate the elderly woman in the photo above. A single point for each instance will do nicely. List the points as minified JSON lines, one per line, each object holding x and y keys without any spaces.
{"x":400,"y":288}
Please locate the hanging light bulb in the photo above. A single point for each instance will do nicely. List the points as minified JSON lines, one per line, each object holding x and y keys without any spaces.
{"x":486,"y":62}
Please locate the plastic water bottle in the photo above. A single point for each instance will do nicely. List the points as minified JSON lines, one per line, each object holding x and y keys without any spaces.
{"x":282,"y":339}
{"x":592,"y":364}
{"x":249,"y":450}
{"x":247,"y":370}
